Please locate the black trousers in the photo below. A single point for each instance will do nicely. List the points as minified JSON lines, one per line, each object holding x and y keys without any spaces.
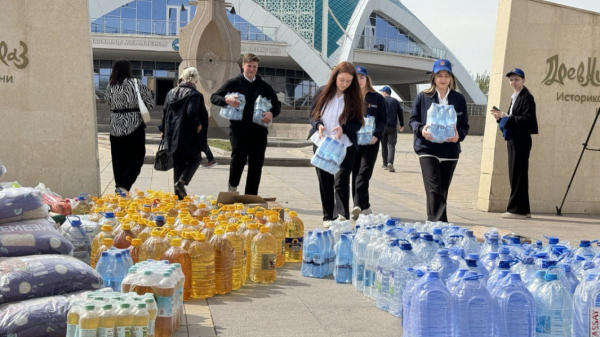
{"x":185,"y":166}
{"x":362,"y":171}
{"x":335,"y":190}
{"x":208,"y":152}
{"x":437,"y":176}
{"x":388,"y":145}
{"x":128,"y":154}
{"x":247,"y":148}
{"x":518,"y":173}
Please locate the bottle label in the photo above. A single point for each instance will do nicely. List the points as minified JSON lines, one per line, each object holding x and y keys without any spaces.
{"x":360,"y":272}
{"x":294,"y":244}
{"x":123,"y":331}
{"x":391,"y":283}
{"x":139,"y":331}
{"x":106,"y":332}
{"x":318,"y":259}
{"x":87,"y":332}
{"x":268,"y":261}
{"x":151,"y":327}
{"x":378,"y":279}
{"x":594,"y":321}
{"x":72,"y":330}
{"x":164,"y":306}
{"x":544,"y":324}
{"x":368,"y":280}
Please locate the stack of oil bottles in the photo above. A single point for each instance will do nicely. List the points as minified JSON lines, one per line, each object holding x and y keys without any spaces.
{"x":214,"y":248}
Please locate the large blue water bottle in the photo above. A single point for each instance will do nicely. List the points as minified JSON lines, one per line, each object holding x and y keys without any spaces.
{"x":343,"y":260}
{"x":585,"y":249}
{"x":495,"y":276}
{"x":307,"y":257}
{"x":470,"y":243}
{"x":587,"y":295}
{"x":78,"y":237}
{"x":119,"y":272}
{"x":554,"y":307}
{"x":473,"y":306}
{"x":413,"y":280}
{"x":383,"y":297}
{"x":104,"y":268}
{"x":443,"y":264}
{"x":431,"y":308}
{"x":514,"y":310}
{"x":569,"y":279}
{"x":404,"y":258}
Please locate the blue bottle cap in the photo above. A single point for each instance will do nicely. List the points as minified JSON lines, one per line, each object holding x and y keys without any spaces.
{"x":553,"y":240}
{"x":504,"y":264}
{"x":471,"y":263}
{"x":541,"y":255}
{"x":76,"y":222}
{"x":504,"y":250}
{"x":406,"y":246}
{"x":109,"y":215}
{"x":580,"y":258}
{"x":428,"y":237}
{"x":159,"y":218}
{"x":437,"y":231}
{"x":493,"y":255}
{"x":433,"y":275}
{"x":584,"y":243}
{"x":548,"y":263}
{"x":442,"y":252}
{"x":393,"y":243}
{"x":551,"y":277}
{"x":528,"y":260}
{"x":515,"y":277}
{"x":80,"y":198}
{"x":469,"y":234}
{"x":473,"y":256}
{"x":539,"y":243}
{"x":105,"y":254}
{"x":390,"y":223}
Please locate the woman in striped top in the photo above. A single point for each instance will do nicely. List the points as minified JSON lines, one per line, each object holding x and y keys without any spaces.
{"x":127,"y":129}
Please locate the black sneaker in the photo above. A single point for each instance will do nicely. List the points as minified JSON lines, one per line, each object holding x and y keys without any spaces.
{"x":210,"y":164}
{"x":180,"y":190}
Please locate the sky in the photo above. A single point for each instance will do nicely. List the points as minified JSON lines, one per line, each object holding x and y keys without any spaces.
{"x":469,"y":35}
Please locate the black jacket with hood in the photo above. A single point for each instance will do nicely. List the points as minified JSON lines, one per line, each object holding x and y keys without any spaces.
{"x":183,"y":112}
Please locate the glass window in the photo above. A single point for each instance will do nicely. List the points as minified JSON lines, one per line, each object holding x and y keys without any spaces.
{"x":280,"y":72}
{"x":136,"y":73}
{"x":165,"y":66}
{"x":148,"y":72}
{"x":144,"y":10}
{"x":106,"y":63}
{"x":129,"y":13}
{"x":112,"y":26}
{"x":148,"y":65}
{"x":159,"y":10}
{"x":270,"y":71}
{"x":161,"y":73}
{"x":136,"y":64}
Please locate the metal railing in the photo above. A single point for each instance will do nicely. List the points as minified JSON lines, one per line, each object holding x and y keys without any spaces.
{"x":472,"y":108}
{"x":399,"y":47}
{"x":171,"y":28}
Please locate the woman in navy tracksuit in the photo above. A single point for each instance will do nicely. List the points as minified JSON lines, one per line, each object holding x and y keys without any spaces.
{"x":364,"y":161}
{"x":438,"y":160}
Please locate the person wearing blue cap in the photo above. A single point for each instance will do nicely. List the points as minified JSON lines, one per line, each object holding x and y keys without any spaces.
{"x":337,"y":110}
{"x":366,"y":157}
{"x":438,"y":160}
{"x":518,"y":126}
{"x":390,"y":134}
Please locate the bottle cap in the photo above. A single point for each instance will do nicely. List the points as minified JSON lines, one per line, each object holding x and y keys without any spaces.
{"x":264,"y":229}
{"x":231,"y":228}
{"x":90,"y":307}
{"x":141,"y":305}
{"x":553,"y":240}
{"x":124,"y":305}
{"x":473,"y":256}
{"x":493,"y":255}
{"x":273,"y":218}
{"x":219,"y":231}
{"x":107,"y":241}
{"x":126,"y":227}
{"x":442,"y":252}
{"x":109,"y":215}
{"x":107,"y":306}
{"x":253,"y":225}
{"x":210,"y":224}
{"x":406,"y":246}
{"x":437,"y":231}
{"x":428,"y":237}
{"x":105,"y":254}
{"x":136,"y":242}
{"x":504,"y":250}
{"x":149,"y":300}
{"x":469,"y":234}
{"x":293,"y":214}
{"x":200,"y":237}
{"x":584,"y":243}
{"x":147,"y":272}
{"x":186,"y":221}
{"x":176,"y":242}
{"x":120,"y":214}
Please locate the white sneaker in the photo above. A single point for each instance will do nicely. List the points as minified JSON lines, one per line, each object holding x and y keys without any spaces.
{"x":367,"y":211}
{"x":509,"y":215}
{"x":355,"y":212}
{"x":231,"y":188}
{"x":340,"y":218}
{"x":528,"y":216}
{"x":326,"y":224}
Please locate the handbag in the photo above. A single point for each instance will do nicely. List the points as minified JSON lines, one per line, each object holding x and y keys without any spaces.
{"x":163,"y":161}
{"x":143,"y":109}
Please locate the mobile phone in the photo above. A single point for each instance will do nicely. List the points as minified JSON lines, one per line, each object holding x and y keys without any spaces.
{"x":495,"y":108}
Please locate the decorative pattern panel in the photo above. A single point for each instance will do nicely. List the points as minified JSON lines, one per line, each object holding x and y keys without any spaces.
{"x":299,"y":15}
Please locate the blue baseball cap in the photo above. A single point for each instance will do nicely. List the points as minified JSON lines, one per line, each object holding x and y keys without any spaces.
{"x":387,"y":90}
{"x":516,"y":71}
{"x":361,"y":70}
{"x":442,"y":64}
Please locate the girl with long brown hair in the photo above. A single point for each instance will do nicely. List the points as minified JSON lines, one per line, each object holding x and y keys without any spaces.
{"x":338,"y":111}
{"x":366,"y":156}
{"x":438,"y":160}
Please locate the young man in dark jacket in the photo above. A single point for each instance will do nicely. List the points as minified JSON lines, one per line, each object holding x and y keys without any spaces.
{"x":248,"y":140}
{"x":390,"y":135}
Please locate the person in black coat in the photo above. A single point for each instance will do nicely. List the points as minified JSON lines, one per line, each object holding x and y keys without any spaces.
{"x":365,"y":159}
{"x":438,"y":160}
{"x":337,"y":110}
{"x":248,"y":139}
{"x":184,"y":119}
{"x":518,"y":126}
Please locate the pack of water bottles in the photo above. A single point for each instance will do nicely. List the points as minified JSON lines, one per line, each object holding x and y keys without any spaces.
{"x":231,"y":113}
{"x":443,"y":282}
{"x":261,"y":106}
{"x":330,"y":155}
{"x":441,"y":120}
{"x":113,"y":266}
{"x":365,"y":134}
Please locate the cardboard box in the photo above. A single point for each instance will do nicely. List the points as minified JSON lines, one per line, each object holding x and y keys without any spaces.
{"x":228,"y":198}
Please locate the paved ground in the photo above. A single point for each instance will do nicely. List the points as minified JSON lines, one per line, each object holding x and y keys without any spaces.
{"x":300,"y":306}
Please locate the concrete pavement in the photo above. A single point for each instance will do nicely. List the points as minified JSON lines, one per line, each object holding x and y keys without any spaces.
{"x":320,"y":307}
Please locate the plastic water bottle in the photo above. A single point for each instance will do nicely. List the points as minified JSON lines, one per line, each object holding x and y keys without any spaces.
{"x":307,"y":256}
{"x":413,"y":280}
{"x":527,"y":269}
{"x":332,"y":255}
{"x":587,"y":295}
{"x":438,"y":238}
{"x":568,"y":279}
{"x":443,"y":264}
{"x":328,"y":252}
{"x":320,"y":258}
{"x":403,"y":259}
{"x":369,"y":277}
{"x":495,"y":276}
{"x":476,"y":265}
{"x":473,"y":307}
{"x":470,"y":244}
{"x":490,"y":261}
{"x":359,"y":253}
{"x":343,"y":261}
{"x":585,"y":249}
{"x":455,"y":278}
{"x":514,"y":310}
{"x":554,"y":307}
{"x":450,"y":121}
{"x":118,"y":272}
{"x":104,"y":268}
{"x":383,"y":295}
{"x":431,"y":308}
{"x":81,"y":243}
{"x":552,"y":241}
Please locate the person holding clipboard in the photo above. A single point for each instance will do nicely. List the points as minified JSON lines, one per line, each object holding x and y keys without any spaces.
{"x":438,"y":160}
{"x":517,"y":126}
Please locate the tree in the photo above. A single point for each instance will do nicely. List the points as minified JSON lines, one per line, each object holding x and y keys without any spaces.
{"x":483,"y":81}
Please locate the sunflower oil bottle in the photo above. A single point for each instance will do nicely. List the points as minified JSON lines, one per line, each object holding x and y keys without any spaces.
{"x":185,"y":225}
{"x":106,"y":321}
{"x":249,"y":234}
{"x":176,"y":254}
{"x":73,"y":321}
{"x":294,"y":234}
{"x":124,"y":237}
{"x":152,"y":311}
{"x":154,"y":247}
{"x":146,"y":212}
{"x":147,"y":231}
{"x":165,"y":297}
{"x":200,"y":212}
{"x":187,"y":241}
{"x":208,"y":230}
{"x":88,"y":322}
{"x":264,"y":257}
{"x":106,"y":232}
{"x":203,"y":267}
{"x":135,"y":224}
{"x":124,"y":320}
{"x":134,"y":250}
{"x":276,"y":229}
{"x":224,"y":260}
{"x":260,"y":217}
{"x":239,"y":270}
{"x":141,"y":317}
{"x":173,"y":234}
